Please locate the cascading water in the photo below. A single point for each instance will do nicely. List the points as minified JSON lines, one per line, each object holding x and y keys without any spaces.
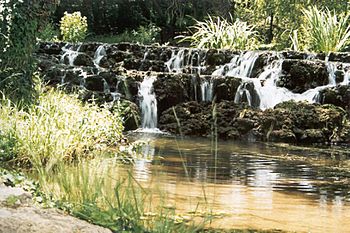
{"x":270,"y":94}
{"x":243,"y":94}
{"x":176,"y":62}
{"x":239,"y":66}
{"x":265,"y":85}
{"x":70,"y":53}
{"x":99,"y":54}
{"x":192,"y":60}
{"x":207,"y":90}
{"x":346,"y":80}
{"x":106,"y":87}
{"x":148,"y":103}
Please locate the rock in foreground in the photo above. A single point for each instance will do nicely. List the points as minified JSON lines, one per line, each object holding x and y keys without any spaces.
{"x":17,"y":215}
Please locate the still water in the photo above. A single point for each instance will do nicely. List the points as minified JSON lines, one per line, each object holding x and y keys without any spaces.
{"x":252,"y":185}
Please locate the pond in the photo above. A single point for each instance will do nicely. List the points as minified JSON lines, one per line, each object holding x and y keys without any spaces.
{"x":251,"y":185}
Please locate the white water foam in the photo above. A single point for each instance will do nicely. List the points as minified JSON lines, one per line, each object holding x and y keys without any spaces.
{"x":99,"y":54}
{"x":70,"y":53}
{"x":148,"y":103}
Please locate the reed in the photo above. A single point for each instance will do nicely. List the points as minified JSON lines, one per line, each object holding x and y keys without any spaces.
{"x":102,"y":192}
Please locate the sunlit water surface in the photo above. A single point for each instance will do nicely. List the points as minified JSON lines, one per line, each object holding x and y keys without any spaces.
{"x":259,"y":186}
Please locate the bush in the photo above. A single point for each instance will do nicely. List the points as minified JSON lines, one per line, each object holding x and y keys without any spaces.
{"x":143,"y":35}
{"x":325,"y":31}
{"x":218,"y":33}
{"x":73,"y":27}
{"x":48,"y":33}
{"x":58,"y":128}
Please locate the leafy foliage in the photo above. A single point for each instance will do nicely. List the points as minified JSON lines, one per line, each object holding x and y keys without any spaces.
{"x":218,"y":33}
{"x":73,"y":27}
{"x":325,"y":31}
{"x":144,"y":35}
{"x":19,"y":23}
{"x":58,"y":128}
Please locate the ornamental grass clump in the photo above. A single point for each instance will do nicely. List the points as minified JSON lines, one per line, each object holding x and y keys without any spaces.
{"x":325,"y":31}
{"x":218,"y":33}
{"x":58,"y":128}
{"x":73,"y":27}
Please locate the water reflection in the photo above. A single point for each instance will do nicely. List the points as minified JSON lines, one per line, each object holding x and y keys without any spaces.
{"x":260,"y":186}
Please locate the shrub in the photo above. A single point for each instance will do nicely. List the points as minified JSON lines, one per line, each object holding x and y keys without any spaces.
{"x":19,"y":23}
{"x":48,"y":33}
{"x":58,"y":128}
{"x":218,"y":33}
{"x":144,"y":35}
{"x":325,"y":31}
{"x":73,"y":27}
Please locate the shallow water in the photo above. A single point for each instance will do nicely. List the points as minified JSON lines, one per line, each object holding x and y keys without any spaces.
{"x":254,"y":185}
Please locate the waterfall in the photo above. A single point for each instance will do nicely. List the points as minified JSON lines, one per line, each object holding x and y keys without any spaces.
{"x":148,"y":103}
{"x":190,"y":59}
{"x":243,"y":94}
{"x":99,"y":54}
{"x":265,"y":85}
{"x":271,"y":95}
{"x":176,"y":62}
{"x":207,"y":90}
{"x":331,"y":68}
{"x":70,"y":53}
{"x":106,"y":87}
{"x":239,"y":66}
{"x":346,"y":80}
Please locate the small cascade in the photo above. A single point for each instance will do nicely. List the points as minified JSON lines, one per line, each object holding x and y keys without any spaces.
{"x":182,"y":59}
{"x":176,"y":62}
{"x":63,"y":78}
{"x":106,"y":87}
{"x":243,"y":94}
{"x":194,"y":83}
{"x":346,"y":80}
{"x":239,"y":66}
{"x":70,"y":53}
{"x":145,"y":55}
{"x":148,"y":103}
{"x":207,"y":90}
{"x":332,"y":69}
{"x":115,"y":94}
{"x":99,"y":54}
{"x":196,"y":64}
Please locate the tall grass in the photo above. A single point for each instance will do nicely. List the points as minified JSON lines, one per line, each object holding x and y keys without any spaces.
{"x":103,"y":193}
{"x":58,"y":128}
{"x":325,"y":31}
{"x":218,"y":33}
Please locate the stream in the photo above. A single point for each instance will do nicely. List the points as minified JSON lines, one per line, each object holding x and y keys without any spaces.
{"x":252,"y":185}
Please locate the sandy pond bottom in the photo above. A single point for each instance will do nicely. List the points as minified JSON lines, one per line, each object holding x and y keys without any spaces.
{"x":251,"y":185}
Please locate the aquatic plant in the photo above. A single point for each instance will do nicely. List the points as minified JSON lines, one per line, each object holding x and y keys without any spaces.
{"x":218,"y":33}
{"x":94,"y":191}
{"x":325,"y":30}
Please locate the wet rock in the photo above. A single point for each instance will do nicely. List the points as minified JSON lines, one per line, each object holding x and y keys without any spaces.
{"x":339,"y":57}
{"x":338,"y":96}
{"x":171,"y":89}
{"x":293,"y":122}
{"x":83,"y":60}
{"x":225,"y":88}
{"x":130,"y":114}
{"x":302,"y":75}
{"x":51,"y":48}
{"x":94,"y":83}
